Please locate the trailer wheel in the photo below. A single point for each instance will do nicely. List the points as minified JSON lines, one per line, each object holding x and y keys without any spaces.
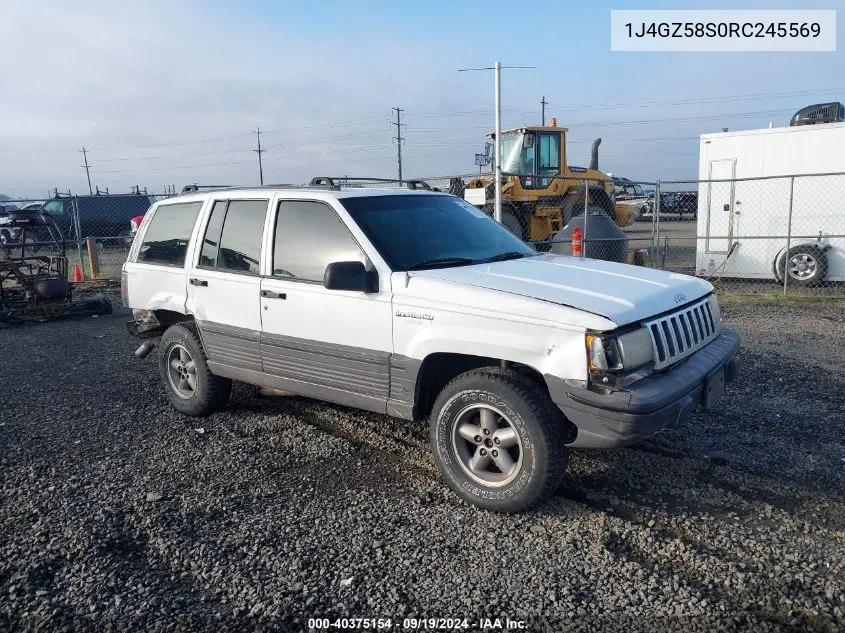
{"x":806,"y":265}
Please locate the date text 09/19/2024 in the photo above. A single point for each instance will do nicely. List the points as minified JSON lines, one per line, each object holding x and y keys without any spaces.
{"x":415,"y":624}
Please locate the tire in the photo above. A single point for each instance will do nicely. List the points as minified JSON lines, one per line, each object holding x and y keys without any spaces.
{"x":104,"y":306}
{"x":516,"y":411}
{"x":807,"y":266}
{"x":208,"y":393}
{"x":6,"y":238}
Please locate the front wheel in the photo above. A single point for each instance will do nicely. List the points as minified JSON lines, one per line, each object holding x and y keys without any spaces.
{"x":498,"y":440}
{"x":188,"y":382}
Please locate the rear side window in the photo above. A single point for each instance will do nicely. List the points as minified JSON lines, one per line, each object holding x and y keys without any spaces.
{"x":167,"y":236}
{"x":310,"y":236}
{"x":232,"y":240}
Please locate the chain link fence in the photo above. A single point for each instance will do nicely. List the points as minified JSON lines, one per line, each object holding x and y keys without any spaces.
{"x":759,"y":236}
{"x":776,"y":235}
{"x":756,"y":236}
{"x":97,"y":229}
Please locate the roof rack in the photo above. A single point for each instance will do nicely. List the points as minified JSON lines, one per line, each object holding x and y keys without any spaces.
{"x":194,"y":187}
{"x":337,"y":181}
{"x":318,"y":182}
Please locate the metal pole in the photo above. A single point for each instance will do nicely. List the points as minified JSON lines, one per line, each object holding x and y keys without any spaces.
{"x":656,"y":221}
{"x":788,"y":236}
{"x":586,"y":201}
{"x":260,"y":152}
{"x":399,"y":139}
{"x":78,"y":232}
{"x":87,"y":168}
{"x":543,"y":103}
{"x":497,"y":205}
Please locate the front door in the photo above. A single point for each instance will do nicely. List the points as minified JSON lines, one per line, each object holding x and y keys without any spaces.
{"x":224,"y":283}
{"x":720,"y":205}
{"x":329,"y":344}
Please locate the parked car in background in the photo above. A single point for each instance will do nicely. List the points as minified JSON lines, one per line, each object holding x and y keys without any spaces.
{"x":135,"y":223}
{"x":9,"y":234}
{"x":631,"y":200}
{"x":102,"y":216}
{"x":680,"y":203}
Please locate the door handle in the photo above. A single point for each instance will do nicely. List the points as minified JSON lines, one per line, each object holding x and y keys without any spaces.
{"x":269,"y":294}
{"x":197,"y":282}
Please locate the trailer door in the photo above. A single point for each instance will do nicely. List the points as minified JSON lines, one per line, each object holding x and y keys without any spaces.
{"x":720,"y":205}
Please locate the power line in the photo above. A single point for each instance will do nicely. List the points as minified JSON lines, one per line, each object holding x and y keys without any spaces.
{"x":87,"y":169}
{"x":644,"y":104}
{"x":399,"y":138}
{"x":260,"y":152}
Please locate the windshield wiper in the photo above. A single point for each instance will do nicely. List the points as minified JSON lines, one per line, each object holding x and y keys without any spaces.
{"x":442,"y":261}
{"x":505,"y":256}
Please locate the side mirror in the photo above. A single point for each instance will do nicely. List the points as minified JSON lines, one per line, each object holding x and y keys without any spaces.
{"x":528,"y":143}
{"x":352,"y":276}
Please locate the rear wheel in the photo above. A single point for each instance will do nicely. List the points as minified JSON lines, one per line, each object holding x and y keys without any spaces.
{"x":188,"y":382}
{"x":498,"y":440}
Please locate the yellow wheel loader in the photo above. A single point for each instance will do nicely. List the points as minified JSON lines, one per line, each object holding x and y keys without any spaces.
{"x":541,"y":192}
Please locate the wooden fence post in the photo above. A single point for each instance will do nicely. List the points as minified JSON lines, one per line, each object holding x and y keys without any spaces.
{"x":93,"y":257}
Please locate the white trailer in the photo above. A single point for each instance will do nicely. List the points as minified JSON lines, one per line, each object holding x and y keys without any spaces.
{"x":747,"y":202}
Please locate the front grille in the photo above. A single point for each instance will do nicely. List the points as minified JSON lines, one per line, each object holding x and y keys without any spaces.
{"x":683,"y":332}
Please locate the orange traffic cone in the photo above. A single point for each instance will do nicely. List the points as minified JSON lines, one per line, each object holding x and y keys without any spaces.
{"x":77,"y":274}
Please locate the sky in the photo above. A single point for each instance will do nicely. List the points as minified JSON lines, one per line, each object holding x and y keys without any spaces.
{"x":171,"y":92}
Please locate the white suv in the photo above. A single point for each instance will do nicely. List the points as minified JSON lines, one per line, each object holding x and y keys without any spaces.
{"x":418,"y":305}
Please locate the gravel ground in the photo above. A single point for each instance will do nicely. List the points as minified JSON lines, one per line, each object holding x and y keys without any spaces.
{"x":117,"y":514}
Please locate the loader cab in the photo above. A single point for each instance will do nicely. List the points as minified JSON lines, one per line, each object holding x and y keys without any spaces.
{"x":539,"y":151}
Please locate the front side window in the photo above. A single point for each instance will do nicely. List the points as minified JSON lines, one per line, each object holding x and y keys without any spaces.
{"x":168,"y":234}
{"x":309,"y":236}
{"x":413,"y":232}
{"x":232,"y":240}
{"x":549,"y":154}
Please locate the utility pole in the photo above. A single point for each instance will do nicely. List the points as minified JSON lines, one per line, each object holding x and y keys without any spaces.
{"x":399,"y":138}
{"x":87,"y":169}
{"x":497,"y":141}
{"x":259,"y":151}
{"x":543,"y":105}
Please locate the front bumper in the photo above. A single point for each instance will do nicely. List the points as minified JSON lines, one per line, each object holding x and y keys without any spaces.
{"x":624,"y":417}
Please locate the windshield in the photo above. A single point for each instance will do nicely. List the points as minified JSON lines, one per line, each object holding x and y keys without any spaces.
{"x":429,"y":231}
{"x":516,"y":159}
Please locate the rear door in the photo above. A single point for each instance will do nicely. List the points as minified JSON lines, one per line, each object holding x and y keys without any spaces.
{"x":154,"y":274}
{"x":334,"y":345}
{"x":224,"y":283}
{"x":720,"y":205}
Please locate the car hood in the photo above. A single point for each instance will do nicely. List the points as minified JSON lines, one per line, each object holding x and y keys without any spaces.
{"x":619,"y":292}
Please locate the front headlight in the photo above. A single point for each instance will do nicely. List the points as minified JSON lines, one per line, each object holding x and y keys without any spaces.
{"x":715,"y":312}
{"x":613,"y":359}
{"x":602,"y":353}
